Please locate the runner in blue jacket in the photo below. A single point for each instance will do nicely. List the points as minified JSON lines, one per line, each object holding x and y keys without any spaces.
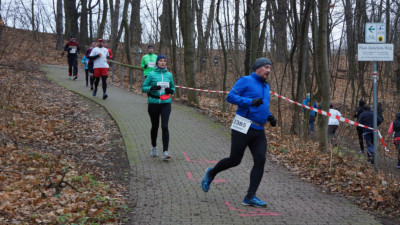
{"x":251,"y":94}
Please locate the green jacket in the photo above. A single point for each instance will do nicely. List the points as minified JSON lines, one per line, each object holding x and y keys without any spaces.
{"x":158,"y":75}
{"x":145,"y":61}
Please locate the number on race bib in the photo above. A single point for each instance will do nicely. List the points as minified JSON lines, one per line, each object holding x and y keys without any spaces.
{"x":241,"y":124}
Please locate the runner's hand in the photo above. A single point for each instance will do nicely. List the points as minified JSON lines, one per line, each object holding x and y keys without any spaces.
{"x":257,"y":102}
{"x":272,"y":120}
{"x":168,"y":91}
{"x":155,"y":88}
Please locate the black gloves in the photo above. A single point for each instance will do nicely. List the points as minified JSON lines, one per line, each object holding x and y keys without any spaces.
{"x":272,"y":120}
{"x":155,"y":88}
{"x":257,"y":102}
{"x":145,"y":66}
{"x":169,"y":91}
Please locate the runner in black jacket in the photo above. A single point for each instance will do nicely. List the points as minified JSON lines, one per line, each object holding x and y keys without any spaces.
{"x":73,"y":51}
{"x":367,"y":118}
{"x":359,"y":110}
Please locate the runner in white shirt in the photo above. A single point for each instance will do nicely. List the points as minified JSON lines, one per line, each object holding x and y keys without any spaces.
{"x":100,"y":55}
{"x":333,"y":124}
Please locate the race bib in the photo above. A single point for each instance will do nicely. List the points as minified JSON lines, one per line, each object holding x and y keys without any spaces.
{"x":72,"y":51}
{"x":163,"y":85}
{"x":151,"y":64}
{"x":241,"y":124}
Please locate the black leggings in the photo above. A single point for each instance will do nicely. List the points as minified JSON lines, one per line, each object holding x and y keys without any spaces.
{"x":103,"y":83}
{"x":257,"y":142}
{"x":87,"y":76}
{"x":360,"y":137}
{"x":155,"y":111}
{"x":91,"y":71}
{"x":73,"y":64}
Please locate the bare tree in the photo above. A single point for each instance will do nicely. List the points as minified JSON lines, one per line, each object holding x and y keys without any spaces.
{"x":1,"y":24}
{"x":203,"y":37}
{"x":59,"y":25}
{"x":252,"y":30}
{"x":100,"y":32}
{"x":221,"y":36}
{"x":83,"y":34}
{"x":186,"y":21}
{"x":324,"y":76}
{"x":71,"y":18}
{"x":135,"y":25}
{"x":114,"y":12}
{"x":165,"y":35}
{"x":279,"y":9}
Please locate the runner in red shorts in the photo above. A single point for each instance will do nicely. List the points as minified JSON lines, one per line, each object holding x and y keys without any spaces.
{"x":100,"y":55}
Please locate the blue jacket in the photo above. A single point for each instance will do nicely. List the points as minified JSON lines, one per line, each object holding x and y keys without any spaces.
{"x":85,"y":62}
{"x":315,"y":105}
{"x":242,"y":94}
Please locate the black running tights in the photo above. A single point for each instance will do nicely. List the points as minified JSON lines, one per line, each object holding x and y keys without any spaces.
{"x":87,"y":76}
{"x":155,"y":111}
{"x":103,"y":83}
{"x":257,"y":143}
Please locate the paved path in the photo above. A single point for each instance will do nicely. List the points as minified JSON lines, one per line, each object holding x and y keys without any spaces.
{"x":170,"y":193}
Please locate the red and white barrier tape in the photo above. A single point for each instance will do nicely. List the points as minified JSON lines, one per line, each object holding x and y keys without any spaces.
{"x":202,"y":90}
{"x":330,"y":115}
{"x":342,"y":119}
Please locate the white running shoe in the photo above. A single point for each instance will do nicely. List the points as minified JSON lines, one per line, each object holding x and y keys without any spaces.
{"x":166,"y":156}
{"x":154,"y":152}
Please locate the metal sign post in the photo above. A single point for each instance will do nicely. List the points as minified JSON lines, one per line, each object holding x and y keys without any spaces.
{"x":374,"y":66}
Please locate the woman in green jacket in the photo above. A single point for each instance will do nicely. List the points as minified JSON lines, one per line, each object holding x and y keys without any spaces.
{"x":159,"y":85}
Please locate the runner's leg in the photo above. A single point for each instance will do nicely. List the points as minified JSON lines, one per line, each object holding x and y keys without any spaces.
{"x":258,"y":148}
{"x":165,"y":112}
{"x":154,"y":113}
{"x":238,"y":146}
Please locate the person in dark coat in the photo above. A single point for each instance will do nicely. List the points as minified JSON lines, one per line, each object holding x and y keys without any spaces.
{"x":367,"y":118}
{"x":395,"y":130}
{"x":380,"y":110}
{"x":359,"y":110}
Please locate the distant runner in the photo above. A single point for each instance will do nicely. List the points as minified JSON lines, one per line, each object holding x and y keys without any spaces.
{"x":100,"y":55}
{"x":72,"y":47}
{"x":90,"y":64}
{"x":148,"y":61}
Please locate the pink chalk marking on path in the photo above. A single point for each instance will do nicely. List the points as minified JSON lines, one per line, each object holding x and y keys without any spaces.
{"x":256,"y":212}
{"x":202,"y":161}
{"x":190,"y":177}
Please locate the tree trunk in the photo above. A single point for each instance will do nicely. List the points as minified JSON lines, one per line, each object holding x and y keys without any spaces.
{"x":1,"y":24}
{"x":172,"y":21}
{"x":100,"y":32}
{"x":123,"y":25}
{"x":165,"y":35}
{"x":221,"y":36}
{"x":71,"y":18}
{"x":302,"y":64}
{"x":324,"y":75}
{"x":186,"y":22}
{"x":252,"y":29}
{"x":114,"y":11}
{"x":280,"y":29}
{"x":83,"y":36}
{"x":135,"y":25}
{"x":59,"y":26}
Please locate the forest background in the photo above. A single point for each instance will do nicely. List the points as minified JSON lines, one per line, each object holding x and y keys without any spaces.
{"x":312,"y":44}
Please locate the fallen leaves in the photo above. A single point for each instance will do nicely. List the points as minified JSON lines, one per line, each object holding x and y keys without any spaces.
{"x":47,"y":140}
